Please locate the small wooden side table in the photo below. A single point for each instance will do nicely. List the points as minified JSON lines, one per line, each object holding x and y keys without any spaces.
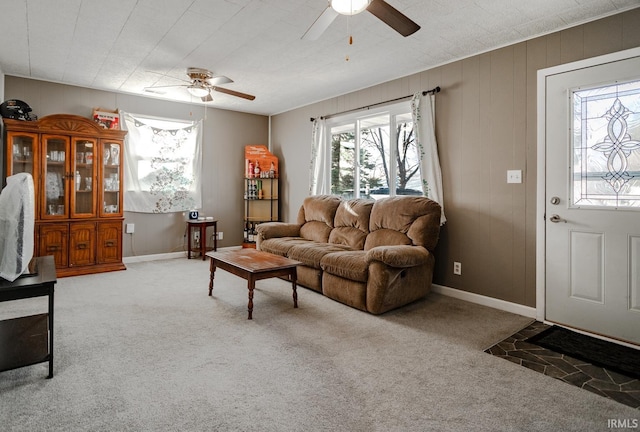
{"x":202,"y":226}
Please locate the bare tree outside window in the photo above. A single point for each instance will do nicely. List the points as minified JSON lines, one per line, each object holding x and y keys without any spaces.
{"x":386,"y":164}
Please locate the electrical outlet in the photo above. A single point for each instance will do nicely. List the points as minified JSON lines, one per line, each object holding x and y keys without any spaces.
{"x":457,"y":268}
{"x":129,"y":228}
{"x":220,"y":235}
{"x":196,"y":235}
{"x":514,"y":176}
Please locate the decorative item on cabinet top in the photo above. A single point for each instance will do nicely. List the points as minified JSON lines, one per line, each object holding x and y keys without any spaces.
{"x":17,"y":110}
{"x":107,"y":119}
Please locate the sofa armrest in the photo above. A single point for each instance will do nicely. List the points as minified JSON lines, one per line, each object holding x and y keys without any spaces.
{"x":398,"y":256}
{"x":269,"y":230}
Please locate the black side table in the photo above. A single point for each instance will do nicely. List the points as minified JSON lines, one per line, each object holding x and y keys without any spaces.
{"x":24,"y":339}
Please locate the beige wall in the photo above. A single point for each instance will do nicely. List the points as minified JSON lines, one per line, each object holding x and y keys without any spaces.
{"x":2,"y":98}
{"x":225,"y":135}
{"x":486,"y":125}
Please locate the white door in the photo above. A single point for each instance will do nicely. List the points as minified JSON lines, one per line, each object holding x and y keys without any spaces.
{"x":592,"y":201}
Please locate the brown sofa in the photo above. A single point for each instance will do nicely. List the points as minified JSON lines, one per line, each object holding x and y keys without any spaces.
{"x":372,"y":255}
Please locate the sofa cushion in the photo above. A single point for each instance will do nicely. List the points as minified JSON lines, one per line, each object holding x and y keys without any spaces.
{"x":348,"y":264}
{"x":316,"y":231}
{"x":351,"y":223}
{"x":415,"y":220}
{"x":316,"y":216}
{"x":386,"y":237}
{"x":310,"y":253}
{"x":281,"y":245}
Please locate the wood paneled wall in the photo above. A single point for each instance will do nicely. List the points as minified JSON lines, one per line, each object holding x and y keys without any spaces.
{"x":485,"y":125}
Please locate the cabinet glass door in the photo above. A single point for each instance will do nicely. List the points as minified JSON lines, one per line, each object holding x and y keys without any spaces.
{"x":111,"y":174}
{"x":24,"y":154}
{"x":56,"y":177}
{"x":82,"y":196}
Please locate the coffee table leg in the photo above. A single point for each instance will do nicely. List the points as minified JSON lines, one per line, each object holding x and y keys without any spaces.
{"x":252,"y":285}
{"x":212,"y":269}
{"x":294,"y":277}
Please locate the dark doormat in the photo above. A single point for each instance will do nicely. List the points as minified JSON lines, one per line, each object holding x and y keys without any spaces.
{"x":518,"y":349}
{"x":611,"y":356}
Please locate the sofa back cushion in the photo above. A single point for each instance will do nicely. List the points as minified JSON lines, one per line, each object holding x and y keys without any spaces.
{"x":316,"y":217}
{"x":351,"y":223}
{"x":404,"y":220}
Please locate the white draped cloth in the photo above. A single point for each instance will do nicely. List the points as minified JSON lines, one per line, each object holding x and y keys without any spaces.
{"x":17,"y":221}
{"x":318,"y":169}
{"x":424,"y":120}
{"x":163,"y":163}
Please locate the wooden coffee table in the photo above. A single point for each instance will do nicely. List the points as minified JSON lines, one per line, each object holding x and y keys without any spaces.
{"x":253,"y":265}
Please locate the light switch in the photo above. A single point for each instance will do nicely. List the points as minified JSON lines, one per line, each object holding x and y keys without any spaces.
{"x":514,"y":176}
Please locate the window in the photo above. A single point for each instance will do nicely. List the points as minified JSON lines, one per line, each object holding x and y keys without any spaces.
{"x":374,"y":154}
{"x":606,"y":146}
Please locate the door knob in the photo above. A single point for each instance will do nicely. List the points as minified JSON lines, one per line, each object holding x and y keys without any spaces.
{"x":556,"y":218}
{"x":555,"y":200}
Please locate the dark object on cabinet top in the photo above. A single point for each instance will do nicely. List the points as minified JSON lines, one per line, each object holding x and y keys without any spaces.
{"x":16,"y":109}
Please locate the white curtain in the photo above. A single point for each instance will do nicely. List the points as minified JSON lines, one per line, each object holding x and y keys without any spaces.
{"x":163,"y":163}
{"x":424,"y":119}
{"x":318,"y":169}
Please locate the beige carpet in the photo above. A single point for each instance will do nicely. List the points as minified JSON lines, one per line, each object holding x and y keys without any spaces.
{"x":147,"y":350}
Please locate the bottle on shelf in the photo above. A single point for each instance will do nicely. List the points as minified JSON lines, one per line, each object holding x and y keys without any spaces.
{"x":78,"y":180}
{"x":246,"y":232}
{"x":256,"y":170}
{"x":250,"y":235}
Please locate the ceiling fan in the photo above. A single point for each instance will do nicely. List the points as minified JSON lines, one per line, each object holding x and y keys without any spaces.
{"x":202,"y":82}
{"x":380,"y":8}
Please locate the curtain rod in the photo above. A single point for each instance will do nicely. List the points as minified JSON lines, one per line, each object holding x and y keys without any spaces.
{"x":424,"y":93}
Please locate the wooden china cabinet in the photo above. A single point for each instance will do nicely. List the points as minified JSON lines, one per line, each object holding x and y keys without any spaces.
{"x":77,"y":172}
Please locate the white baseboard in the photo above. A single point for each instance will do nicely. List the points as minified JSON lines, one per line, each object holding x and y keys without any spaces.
{"x":485,"y":301}
{"x":154,"y":257}
{"x":164,"y":256}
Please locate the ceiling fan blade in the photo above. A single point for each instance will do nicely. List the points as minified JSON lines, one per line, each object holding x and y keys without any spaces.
{"x":393,"y":17}
{"x":207,"y":98}
{"x":320,"y":24}
{"x":233,"y":93}
{"x":219,"y":80}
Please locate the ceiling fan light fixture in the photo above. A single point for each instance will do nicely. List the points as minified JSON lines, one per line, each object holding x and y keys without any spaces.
{"x":198,"y":91}
{"x":349,"y":7}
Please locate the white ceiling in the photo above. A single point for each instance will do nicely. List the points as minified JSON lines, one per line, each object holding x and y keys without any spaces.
{"x":127,"y":45}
